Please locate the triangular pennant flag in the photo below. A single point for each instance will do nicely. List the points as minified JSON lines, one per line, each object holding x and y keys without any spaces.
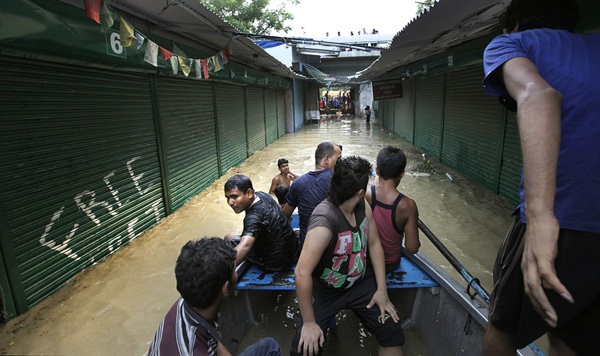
{"x":223,"y":57}
{"x":198,"y":68}
{"x":107,"y":17}
{"x":151,"y":53}
{"x":92,"y":9}
{"x":165,"y":54}
{"x":205,"y":68}
{"x":228,"y":50}
{"x":216,"y":63}
{"x":184,"y":67}
{"x":174,"y":65}
{"x":140,"y":39}
{"x":127,"y":33}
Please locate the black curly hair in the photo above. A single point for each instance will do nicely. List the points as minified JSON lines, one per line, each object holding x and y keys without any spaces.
{"x":530,"y":14}
{"x":391,"y":162}
{"x":350,"y":175}
{"x":203,"y":266}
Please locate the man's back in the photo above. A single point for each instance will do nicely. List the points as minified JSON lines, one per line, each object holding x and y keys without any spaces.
{"x":306,"y":193}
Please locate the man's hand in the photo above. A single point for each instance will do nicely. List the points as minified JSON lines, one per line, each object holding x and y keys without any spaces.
{"x":311,"y":339}
{"x":385,"y":306}
{"x":541,"y":247}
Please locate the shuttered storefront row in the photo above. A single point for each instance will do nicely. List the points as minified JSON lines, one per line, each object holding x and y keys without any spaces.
{"x":188,"y":137}
{"x":472,"y":128}
{"x":271,"y":115}
{"x":404,"y":118}
{"x":389,"y":114}
{"x":79,"y":171}
{"x":280,"y":113}
{"x":429,"y":114}
{"x":231,"y":125}
{"x":256,"y":119}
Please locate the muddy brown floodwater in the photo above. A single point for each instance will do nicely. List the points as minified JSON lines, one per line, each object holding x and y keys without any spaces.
{"x":114,"y":307}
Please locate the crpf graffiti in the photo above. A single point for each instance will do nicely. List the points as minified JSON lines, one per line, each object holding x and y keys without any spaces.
{"x":95,"y":210}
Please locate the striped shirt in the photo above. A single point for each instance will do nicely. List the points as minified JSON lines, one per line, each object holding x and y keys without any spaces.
{"x":185,"y":332}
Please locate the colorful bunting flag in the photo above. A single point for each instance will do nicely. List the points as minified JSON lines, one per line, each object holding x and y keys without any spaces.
{"x":103,"y":14}
{"x":139,"y":39}
{"x":107,"y":17}
{"x":165,"y":54}
{"x":151,"y":53}
{"x":198,"y":68}
{"x":205,"y":68}
{"x":223,"y":57}
{"x":184,"y":67}
{"x":92,"y":9}
{"x":216,"y":63}
{"x":174,"y":65}
{"x":127,"y":33}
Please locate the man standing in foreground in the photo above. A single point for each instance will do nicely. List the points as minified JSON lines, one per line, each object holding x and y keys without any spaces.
{"x":205,"y":273}
{"x":311,"y":188}
{"x":547,"y":276}
{"x":267,"y":239}
{"x":334,"y":273}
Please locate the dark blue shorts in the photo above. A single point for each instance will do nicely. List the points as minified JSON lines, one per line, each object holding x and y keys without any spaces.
{"x":578,"y":267}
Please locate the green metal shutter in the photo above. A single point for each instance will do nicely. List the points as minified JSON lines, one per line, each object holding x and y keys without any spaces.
{"x":79,"y":171}
{"x":231,"y":124}
{"x":472,"y":128}
{"x":188,"y":136}
{"x":280,"y":113}
{"x":404,"y":124}
{"x":512,"y":161}
{"x":256,"y":119}
{"x":429,"y":114}
{"x":271,"y":115}
{"x":389,"y":114}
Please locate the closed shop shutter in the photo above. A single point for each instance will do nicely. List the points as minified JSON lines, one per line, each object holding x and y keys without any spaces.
{"x":79,"y":170}
{"x":429,"y":114}
{"x":271,"y":115}
{"x":512,"y":161}
{"x":188,"y":136}
{"x":389,"y":114}
{"x":280,"y":113}
{"x":472,"y":128}
{"x":231,"y":125}
{"x":404,"y":122}
{"x":256,"y":119}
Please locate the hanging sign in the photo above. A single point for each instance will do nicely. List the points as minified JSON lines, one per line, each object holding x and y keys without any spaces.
{"x":387,"y":89}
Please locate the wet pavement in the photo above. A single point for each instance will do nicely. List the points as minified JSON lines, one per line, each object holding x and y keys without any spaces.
{"x":114,"y":307}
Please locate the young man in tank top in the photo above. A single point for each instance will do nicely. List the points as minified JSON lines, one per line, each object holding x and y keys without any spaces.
{"x":395,"y":214}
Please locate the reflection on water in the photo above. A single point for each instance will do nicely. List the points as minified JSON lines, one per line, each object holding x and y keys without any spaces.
{"x":470,"y":221}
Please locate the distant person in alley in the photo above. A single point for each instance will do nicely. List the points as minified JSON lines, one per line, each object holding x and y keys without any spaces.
{"x":267,"y":238}
{"x":205,"y":274}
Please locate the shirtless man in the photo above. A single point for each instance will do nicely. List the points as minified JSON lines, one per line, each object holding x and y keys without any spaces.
{"x":285,"y":177}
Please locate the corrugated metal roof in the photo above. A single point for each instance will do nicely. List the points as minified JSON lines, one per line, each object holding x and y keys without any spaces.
{"x":190,"y":23}
{"x":447,"y":24}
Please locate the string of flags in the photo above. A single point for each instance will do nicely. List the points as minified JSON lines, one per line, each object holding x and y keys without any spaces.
{"x":105,"y":16}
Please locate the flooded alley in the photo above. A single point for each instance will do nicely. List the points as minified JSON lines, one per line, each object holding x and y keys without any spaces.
{"x":114,"y":307}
